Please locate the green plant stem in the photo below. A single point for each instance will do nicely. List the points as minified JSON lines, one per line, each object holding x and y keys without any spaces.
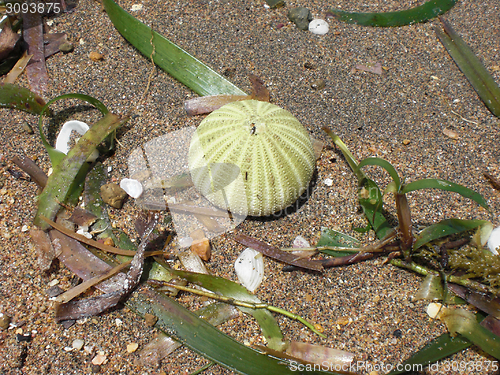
{"x":422,"y":270}
{"x":248,"y":305}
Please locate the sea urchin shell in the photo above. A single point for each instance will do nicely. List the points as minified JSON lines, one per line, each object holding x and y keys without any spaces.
{"x":264,"y":145}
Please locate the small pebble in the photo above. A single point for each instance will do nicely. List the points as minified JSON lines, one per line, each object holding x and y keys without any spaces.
{"x":318,"y":84}
{"x":202,"y":248}
{"x":113,"y":195}
{"x":300,"y":16}
{"x":118,"y":322}
{"x":136,"y":7}
{"x":77,"y":344}
{"x":27,"y":128}
{"x":318,"y":27}
{"x":66,"y":47}
{"x":96,"y":56}
{"x":99,"y":359}
{"x":450,"y":133}
{"x":328,"y":182}
{"x":406,"y":142}
{"x":150,"y":319}
{"x":23,"y":337}
{"x":54,"y":291}
{"x":4,"y":321}
{"x":132,"y":347}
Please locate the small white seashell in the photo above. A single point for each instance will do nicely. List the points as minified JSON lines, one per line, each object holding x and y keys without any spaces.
{"x":249,"y":268}
{"x":433,"y":310}
{"x":84,"y":231}
{"x":131,"y":187}
{"x":318,"y":26}
{"x":494,"y":241}
{"x":64,"y":136}
{"x":300,"y":242}
{"x":136,"y":7}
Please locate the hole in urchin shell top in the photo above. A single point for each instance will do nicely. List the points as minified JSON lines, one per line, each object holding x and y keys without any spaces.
{"x":256,"y":125}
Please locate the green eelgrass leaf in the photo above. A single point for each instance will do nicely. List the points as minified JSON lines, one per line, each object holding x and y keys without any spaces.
{"x":332,"y":238}
{"x":13,"y":96}
{"x":227,"y":288}
{"x":175,"y":320}
{"x":439,"y":348}
{"x":465,"y":323}
{"x":168,"y":56}
{"x":417,"y":14}
{"x":207,"y":340}
{"x":435,"y":183}
{"x":57,"y":156}
{"x":370,"y":197}
{"x":445,"y":228}
{"x":60,"y":182}
{"x":384,"y":164}
{"x":482,"y":81}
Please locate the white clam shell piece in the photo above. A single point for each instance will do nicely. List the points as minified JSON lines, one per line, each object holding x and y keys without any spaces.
{"x":494,"y":241}
{"x":318,"y":26}
{"x":132,"y":187}
{"x":63,"y":138}
{"x":249,"y":268}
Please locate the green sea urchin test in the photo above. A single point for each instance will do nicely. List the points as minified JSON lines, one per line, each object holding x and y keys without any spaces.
{"x":264,"y":145}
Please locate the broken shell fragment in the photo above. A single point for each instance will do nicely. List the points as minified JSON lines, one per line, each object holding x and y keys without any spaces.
{"x":318,"y":27}
{"x":64,"y":136}
{"x":249,"y":268}
{"x":132,"y":187}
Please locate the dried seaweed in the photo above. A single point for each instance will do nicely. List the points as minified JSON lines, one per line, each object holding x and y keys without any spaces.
{"x":96,"y":305}
{"x":275,"y":253}
{"x":33,"y":35}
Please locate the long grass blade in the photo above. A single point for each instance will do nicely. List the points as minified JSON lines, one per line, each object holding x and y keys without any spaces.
{"x":168,"y":56}
{"x":421,"y":13}
{"x":470,"y":65}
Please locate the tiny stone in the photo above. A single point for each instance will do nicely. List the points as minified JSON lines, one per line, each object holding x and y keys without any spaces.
{"x":109,"y":242}
{"x":450,"y":133}
{"x":300,"y":16}
{"x":54,"y":282}
{"x":202,"y":248}
{"x":77,"y":344}
{"x":309,"y":65}
{"x":53,"y":291}
{"x":26,"y":337}
{"x":397,"y":333}
{"x":4,"y":321}
{"x":150,"y":319}
{"x":113,"y":195}
{"x":318,"y":84}
{"x":66,"y":47}
{"x":328,"y":182}
{"x":27,"y":128}
{"x":96,"y":56}
{"x":25,"y":228}
{"x":118,"y":322}
{"x":99,"y":359}
{"x":406,"y":142}
{"x":132,"y":347}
